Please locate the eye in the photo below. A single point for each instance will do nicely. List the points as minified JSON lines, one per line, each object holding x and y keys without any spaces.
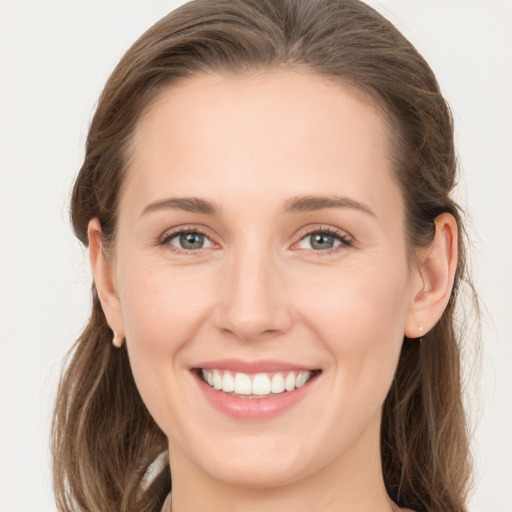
{"x":324,"y":240}
{"x":188,"y":240}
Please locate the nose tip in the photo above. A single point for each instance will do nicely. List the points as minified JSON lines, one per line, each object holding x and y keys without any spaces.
{"x":252,"y":304}
{"x":252,"y":318}
{"x":247,"y":329}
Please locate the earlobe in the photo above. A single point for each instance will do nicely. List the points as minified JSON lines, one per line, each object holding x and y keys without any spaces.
{"x":433,"y":280}
{"x":104,"y":280}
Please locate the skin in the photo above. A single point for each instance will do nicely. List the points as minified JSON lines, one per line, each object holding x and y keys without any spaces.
{"x":259,"y":290}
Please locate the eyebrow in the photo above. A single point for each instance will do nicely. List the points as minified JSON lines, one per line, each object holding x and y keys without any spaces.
{"x":299,"y":204}
{"x":314,"y":203}
{"x":188,"y":204}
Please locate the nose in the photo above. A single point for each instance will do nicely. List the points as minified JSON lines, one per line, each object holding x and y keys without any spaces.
{"x":252,"y":301}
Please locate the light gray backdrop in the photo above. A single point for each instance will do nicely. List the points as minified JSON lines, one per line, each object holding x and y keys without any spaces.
{"x":55,"y":56}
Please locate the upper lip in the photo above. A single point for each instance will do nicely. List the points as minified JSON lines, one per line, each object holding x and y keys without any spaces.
{"x":262,"y":366}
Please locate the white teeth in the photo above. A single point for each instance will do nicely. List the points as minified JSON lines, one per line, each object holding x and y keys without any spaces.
{"x":260,"y":384}
{"x":277,"y":385}
{"x":289,"y":383}
{"x":217,"y":379}
{"x":242,"y":384}
{"x":228,"y":383}
{"x":301,"y":380}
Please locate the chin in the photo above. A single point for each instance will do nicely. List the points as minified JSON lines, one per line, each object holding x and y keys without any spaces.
{"x":259,"y":461}
{"x":267,"y":474}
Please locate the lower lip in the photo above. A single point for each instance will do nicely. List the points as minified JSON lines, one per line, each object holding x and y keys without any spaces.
{"x":254,"y":408}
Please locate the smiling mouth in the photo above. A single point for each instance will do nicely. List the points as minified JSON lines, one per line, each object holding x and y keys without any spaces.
{"x":258,"y":385}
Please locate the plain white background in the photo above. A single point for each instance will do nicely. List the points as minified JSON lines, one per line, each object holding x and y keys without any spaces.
{"x":55,"y":56}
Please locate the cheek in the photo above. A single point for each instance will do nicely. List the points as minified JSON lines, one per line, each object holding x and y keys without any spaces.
{"x":357,"y":302}
{"x":162,"y":312}
{"x":359,"y":318}
{"x":360,"y":321}
{"x":161,"y":308}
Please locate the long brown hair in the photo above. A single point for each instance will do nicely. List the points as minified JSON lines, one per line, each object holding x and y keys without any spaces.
{"x":104,"y":439}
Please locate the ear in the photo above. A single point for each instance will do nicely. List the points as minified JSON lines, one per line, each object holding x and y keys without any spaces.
{"x":104,"y":278}
{"x":432,"y":281}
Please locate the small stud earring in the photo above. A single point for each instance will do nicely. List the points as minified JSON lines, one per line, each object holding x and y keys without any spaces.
{"x":117,"y":341}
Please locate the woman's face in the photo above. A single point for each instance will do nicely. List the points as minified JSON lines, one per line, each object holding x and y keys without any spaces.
{"x":261,"y":244}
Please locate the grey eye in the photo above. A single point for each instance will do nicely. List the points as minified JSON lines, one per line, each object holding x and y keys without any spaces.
{"x":189,"y":241}
{"x":322,"y":241}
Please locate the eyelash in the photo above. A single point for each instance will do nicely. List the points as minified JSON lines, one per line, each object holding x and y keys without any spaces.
{"x":346,"y":241}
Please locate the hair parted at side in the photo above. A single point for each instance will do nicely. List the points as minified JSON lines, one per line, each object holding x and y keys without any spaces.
{"x":104,"y":439}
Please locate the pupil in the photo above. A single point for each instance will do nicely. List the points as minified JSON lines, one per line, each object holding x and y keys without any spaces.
{"x":192,"y":240}
{"x":321,"y":241}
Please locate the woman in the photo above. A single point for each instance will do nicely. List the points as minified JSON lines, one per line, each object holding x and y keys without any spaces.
{"x":276,"y":256}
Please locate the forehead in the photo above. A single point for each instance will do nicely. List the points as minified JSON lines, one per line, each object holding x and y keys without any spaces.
{"x":276,"y":133}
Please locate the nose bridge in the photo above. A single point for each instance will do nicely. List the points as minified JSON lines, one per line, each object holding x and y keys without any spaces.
{"x":252,"y":303}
